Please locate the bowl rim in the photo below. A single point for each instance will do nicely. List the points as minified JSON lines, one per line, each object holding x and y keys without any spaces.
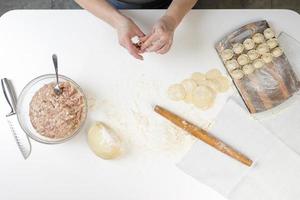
{"x":39,"y":139}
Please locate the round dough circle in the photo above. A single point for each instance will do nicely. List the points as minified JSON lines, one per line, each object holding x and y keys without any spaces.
{"x":212,"y":84}
{"x":176,"y":92}
{"x":259,"y":63}
{"x":243,"y":59}
{"x":269,"y":33}
{"x":237,"y":74}
{"x":189,"y":85}
{"x":203,"y":97}
{"x":263,"y":48}
{"x":198,"y":77}
{"x":248,"y":69}
{"x":238,"y":48}
{"x":277,"y":52}
{"x":224,"y":83}
{"x":253,"y":54}
{"x":227,"y":54}
{"x":249,"y":44}
{"x":232,"y":65}
{"x":213,"y":73}
{"x":267,"y":57}
{"x":272,"y":43}
{"x":258,"y":38}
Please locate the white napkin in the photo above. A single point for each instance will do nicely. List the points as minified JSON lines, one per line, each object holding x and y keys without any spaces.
{"x":235,"y":127}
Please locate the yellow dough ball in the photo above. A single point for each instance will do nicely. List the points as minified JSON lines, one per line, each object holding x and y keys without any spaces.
{"x":227,"y":54}
{"x":258,"y":38}
{"x":232,"y":64}
{"x":249,"y":44}
{"x":243,"y":59}
{"x":269,"y":33}
{"x":267,"y":57}
{"x":263,"y":48}
{"x":248,"y":69}
{"x":253,"y":54}
{"x":237,"y":74}
{"x":238,"y":48}
{"x":277,"y":52}
{"x":259,"y":63}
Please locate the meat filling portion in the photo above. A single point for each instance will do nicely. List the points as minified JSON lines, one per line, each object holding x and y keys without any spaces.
{"x":57,"y":116}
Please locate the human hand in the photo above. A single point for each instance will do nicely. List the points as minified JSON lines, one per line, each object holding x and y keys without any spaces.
{"x":127,"y":29}
{"x":161,"y":38}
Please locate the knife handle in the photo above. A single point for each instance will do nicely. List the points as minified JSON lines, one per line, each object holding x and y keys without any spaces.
{"x":9,"y":94}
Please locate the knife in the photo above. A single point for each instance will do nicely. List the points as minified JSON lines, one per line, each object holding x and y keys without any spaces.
{"x":12,"y":119}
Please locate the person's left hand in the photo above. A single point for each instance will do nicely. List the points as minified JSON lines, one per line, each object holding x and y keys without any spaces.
{"x":161,"y":38}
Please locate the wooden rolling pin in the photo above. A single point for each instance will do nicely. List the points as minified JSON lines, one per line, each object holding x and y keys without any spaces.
{"x":203,"y":135}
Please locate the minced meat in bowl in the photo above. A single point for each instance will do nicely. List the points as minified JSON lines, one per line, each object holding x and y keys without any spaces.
{"x":48,"y":117}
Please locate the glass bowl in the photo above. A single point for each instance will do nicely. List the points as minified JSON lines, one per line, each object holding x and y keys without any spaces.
{"x":24,"y":100}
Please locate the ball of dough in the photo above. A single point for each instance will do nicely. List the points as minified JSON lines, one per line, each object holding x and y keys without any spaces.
{"x":267,"y":57}
{"x":198,"y":77}
{"x":224,"y":83}
{"x":253,"y":54}
{"x":232,"y":64}
{"x":203,"y":97}
{"x":258,"y":38}
{"x":259,"y":63}
{"x":277,"y":52}
{"x":237,"y":74}
{"x":243,"y":59}
{"x":189,"y":85}
{"x":269,"y":33}
{"x":238,"y":48}
{"x":213,"y":73}
{"x":272,"y":43}
{"x":263,"y":48}
{"x":227,"y":54}
{"x":248,"y":69}
{"x":176,"y":92}
{"x":249,"y":44}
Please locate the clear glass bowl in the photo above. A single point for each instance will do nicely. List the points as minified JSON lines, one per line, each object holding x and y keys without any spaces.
{"x":24,"y":100}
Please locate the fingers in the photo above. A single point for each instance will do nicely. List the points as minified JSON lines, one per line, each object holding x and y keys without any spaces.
{"x":149,"y":42}
{"x":164,"y":49}
{"x":158,"y":44}
{"x":133,"y":50}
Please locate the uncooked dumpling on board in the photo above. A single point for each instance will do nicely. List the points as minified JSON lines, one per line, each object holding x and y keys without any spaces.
{"x":227,"y":54}
{"x":213,"y":73}
{"x":248,"y":69}
{"x":272,"y":43}
{"x":269,"y":33}
{"x":243,"y":59}
{"x":176,"y":92}
{"x":258,"y":63}
{"x":198,"y":77}
{"x":277,"y":52}
{"x":253,"y":54}
{"x":249,"y":44}
{"x":267,"y":57}
{"x":258,"y":38}
{"x":238,"y":48}
{"x":263,"y":48}
{"x":203,"y":97}
{"x":237,"y":74}
{"x":231,"y":65}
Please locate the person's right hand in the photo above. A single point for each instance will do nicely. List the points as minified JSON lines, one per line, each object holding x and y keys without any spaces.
{"x":127,"y":29}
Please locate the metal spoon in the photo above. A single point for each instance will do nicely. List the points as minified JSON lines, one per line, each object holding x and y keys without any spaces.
{"x":57,"y":89}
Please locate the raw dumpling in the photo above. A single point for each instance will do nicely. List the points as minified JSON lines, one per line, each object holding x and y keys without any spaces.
{"x":259,"y":63}
{"x":277,"y":52}
{"x":213,"y":73}
{"x":232,"y":64}
{"x":198,"y":77}
{"x":176,"y":92}
{"x":227,"y":54}
{"x":267,"y":57}
{"x":263,"y":48}
{"x":203,"y":97}
{"x":249,"y":44}
{"x":248,"y":69}
{"x":237,"y":74}
{"x":269,"y":33}
{"x":272,"y":43}
{"x":253,"y":54}
{"x":238,"y":48}
{"x":243,"y":59}
{"x":258,"y":38}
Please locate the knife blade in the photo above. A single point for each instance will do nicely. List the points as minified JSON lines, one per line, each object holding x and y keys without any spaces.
{"x":20,"y":136}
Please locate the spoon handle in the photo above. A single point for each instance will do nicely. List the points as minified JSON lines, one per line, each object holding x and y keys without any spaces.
{"x":54,"y":58}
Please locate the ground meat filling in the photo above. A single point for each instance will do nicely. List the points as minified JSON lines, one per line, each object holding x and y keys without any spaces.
{"x":57,"y":116}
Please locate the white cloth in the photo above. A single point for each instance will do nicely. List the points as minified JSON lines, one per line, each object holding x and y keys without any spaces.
{"x":275,"y":174}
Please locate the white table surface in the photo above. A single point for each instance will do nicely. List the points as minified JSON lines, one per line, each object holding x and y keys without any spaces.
{"x":89,"y":53}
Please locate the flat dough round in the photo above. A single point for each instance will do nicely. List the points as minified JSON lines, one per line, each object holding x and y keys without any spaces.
{"x":176,"y":92}
{"x":213,"y":73}
{"x":263,"y":48}
{"x":203,"y":97}
{"x":198,"y":77}
{"x":277,"y":52}
{"x":272,"y":43}
{"x":258,"y":38}
{"x":238,"y":48}
{"x":269,"y":33}
{"x":243,"y":59}
{"x":227,"y":54}
{"x":237,"y":74}
{"x":224,"y":83}
{"x":258,"y":63}
{"x":249,"y":44}
{"x":189,"y":85}
{"x":248,"y":69}
{"x":267,"y":57}
{"x":232,"y":64}
{"x":253,"y":54}
{"x":212,"y":84}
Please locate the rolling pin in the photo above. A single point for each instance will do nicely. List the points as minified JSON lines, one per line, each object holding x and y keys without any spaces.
{"x":203,"y":135}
